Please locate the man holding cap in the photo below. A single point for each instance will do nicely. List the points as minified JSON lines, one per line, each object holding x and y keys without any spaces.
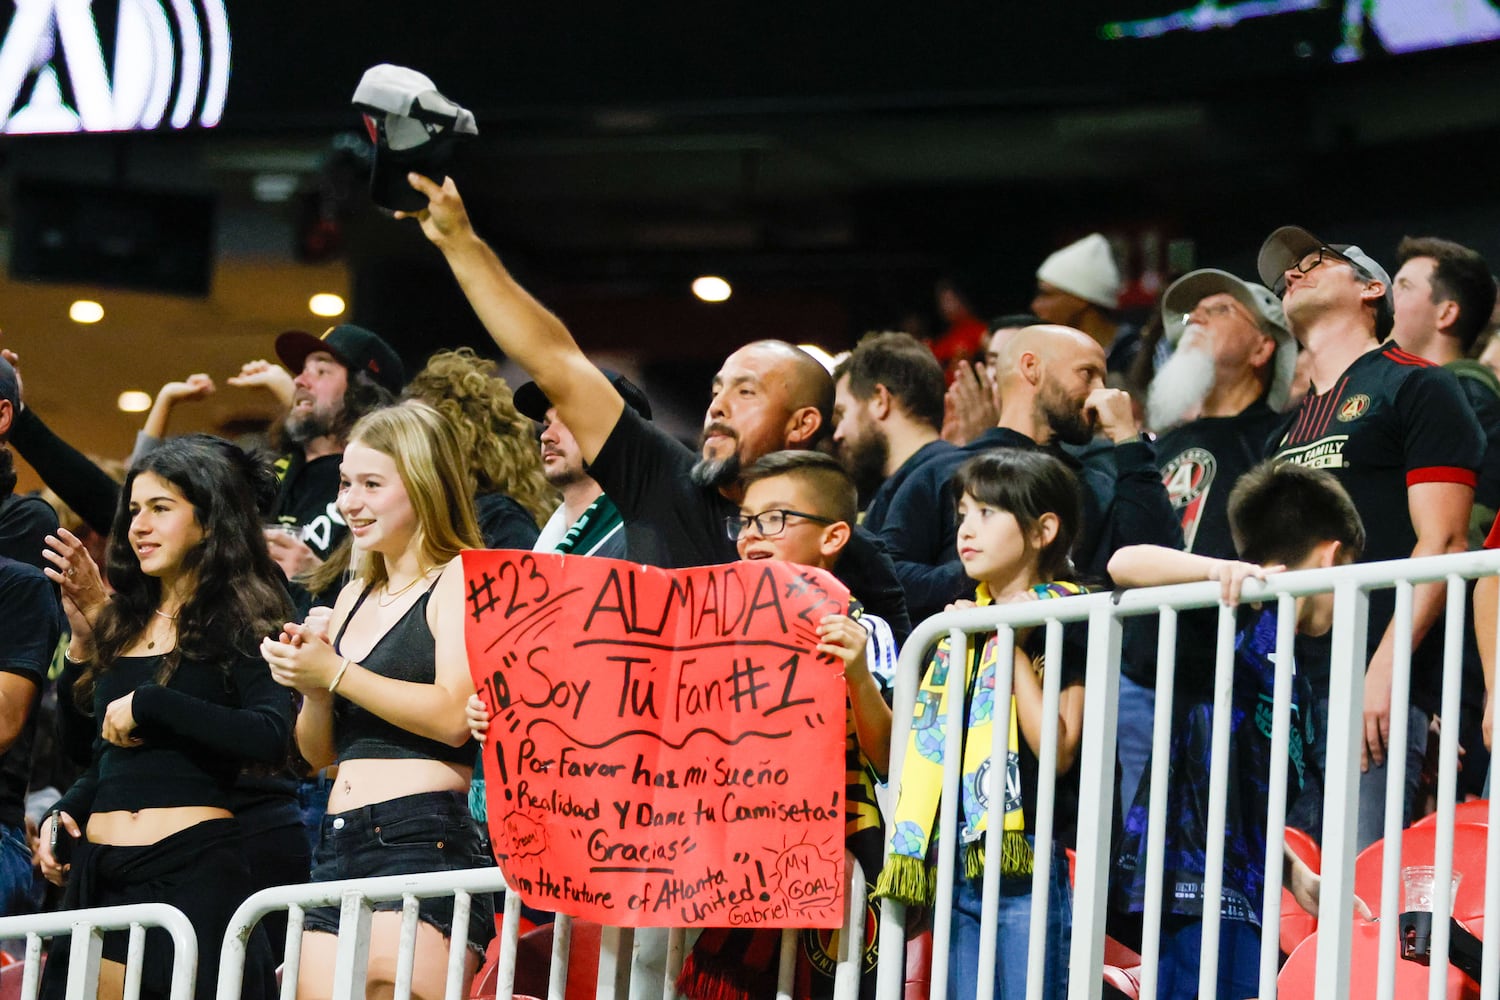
{"x":588,"y":523}
{"x":1396,"y":432}
{"x":340,"y":377}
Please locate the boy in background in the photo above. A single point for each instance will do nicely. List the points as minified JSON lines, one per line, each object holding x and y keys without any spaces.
{"x":1282,"y":517}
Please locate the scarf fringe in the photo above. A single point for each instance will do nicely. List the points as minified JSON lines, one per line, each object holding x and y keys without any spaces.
{"x":1017,"y":859}
{"x":914,"y":882}
{"x":907,"y":880}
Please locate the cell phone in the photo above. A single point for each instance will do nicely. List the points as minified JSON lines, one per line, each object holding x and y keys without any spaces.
{"x":62,"y":844}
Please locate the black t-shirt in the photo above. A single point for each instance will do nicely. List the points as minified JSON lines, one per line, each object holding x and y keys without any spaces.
{"x":25,"y":523}
{"x":308,"y":500}
{"x":1200,"y":463}
{"x":32,"y":625}
{"x":1391,"y":421}
{"x":673,"y":523}
{"x":669,"y":521}
{"x":504,"y":523}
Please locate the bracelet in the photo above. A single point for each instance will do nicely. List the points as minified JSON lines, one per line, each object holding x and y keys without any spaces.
{"x":338,"y":676}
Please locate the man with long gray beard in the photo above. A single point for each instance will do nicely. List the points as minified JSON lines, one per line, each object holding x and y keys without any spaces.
{"x":1214,"y":402}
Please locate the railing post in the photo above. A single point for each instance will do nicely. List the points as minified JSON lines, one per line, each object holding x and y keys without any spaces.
{"x":1346,"y":702}
{"x":1096,"y":804}
{"x":352,"y":964}
{"x":83,"y":962}
{"x":1218,"y":799}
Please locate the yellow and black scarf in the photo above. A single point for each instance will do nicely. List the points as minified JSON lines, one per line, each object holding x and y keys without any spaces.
{"x":908,"y":875}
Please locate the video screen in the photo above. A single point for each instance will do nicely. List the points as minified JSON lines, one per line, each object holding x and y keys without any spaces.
{"x":1362,"y":27}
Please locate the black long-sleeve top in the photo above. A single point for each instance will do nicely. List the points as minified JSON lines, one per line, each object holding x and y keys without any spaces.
{"x":196,"y":732}
{"x":70,"y":473}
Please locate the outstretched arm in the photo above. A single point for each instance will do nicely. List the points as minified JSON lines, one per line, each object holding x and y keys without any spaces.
{"x":520,"y":325}
{"x":1158,"y":566}
{"x":168,"y":396}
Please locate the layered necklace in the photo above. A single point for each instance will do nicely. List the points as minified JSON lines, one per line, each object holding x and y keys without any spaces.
{"x":392,"y":596}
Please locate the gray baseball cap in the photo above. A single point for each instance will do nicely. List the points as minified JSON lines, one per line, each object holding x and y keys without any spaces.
{"x":1289,"y":244}
{"x":1184,"y":294}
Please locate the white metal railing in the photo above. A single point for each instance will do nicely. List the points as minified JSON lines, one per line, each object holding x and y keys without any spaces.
{"x":1103,"y":614}
{"x":619,"y":964}
{"x":86,"y":928}
{"x":355,"y":897}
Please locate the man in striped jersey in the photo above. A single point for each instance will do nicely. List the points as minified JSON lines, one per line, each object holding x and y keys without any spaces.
{"x":1396,"y":432}
{"x":587,"y":523}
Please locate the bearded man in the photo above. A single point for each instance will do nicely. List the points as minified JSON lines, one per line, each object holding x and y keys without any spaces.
{"x":1214,"y":403}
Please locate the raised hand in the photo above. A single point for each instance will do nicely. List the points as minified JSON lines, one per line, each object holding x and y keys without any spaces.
{"x":263,"y":374}
{"x":445,"y":218}
{"x":77,"y":575}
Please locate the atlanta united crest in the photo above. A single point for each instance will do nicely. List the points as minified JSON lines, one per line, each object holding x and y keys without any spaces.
{"x":1188,"y":478}
{"x":1354,"y":407}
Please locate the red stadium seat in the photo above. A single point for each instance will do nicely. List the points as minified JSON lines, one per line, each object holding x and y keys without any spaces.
{"x":11,"y":974}
{"x":1297,"y":975}
{"x":1472,"y":811}
{"x":1417,"y":847}
{"x":919,"y":966}
{"x":534,"y":963}
{"x":1297,"y":923}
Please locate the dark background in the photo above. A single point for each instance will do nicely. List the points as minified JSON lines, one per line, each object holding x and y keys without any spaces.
{"x":833,"y":160}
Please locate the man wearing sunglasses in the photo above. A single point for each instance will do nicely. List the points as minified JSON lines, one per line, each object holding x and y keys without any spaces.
{"x":1396,"y":432}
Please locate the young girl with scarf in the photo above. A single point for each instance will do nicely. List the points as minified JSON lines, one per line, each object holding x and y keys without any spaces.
{"x":1019,"y":512}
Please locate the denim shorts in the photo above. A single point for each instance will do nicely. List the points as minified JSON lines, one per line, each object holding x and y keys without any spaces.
{"x":427,"y":832}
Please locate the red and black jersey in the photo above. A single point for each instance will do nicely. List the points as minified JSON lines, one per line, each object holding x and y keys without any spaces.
{"x":1392,"y":420}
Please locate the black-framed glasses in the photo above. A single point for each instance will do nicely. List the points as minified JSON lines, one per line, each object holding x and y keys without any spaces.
{"x":769,"y":523}
{"x":1307,"y":263}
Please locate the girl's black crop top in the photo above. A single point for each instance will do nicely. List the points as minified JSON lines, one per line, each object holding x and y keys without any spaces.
{"x":407,"y":652}
{"x":196,"y":733}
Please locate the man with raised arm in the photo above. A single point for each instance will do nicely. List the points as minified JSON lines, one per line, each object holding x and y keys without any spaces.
{"x":768,"y":395}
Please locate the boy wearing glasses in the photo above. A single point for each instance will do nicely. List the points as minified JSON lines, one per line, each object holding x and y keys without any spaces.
{"x":1396,"y":432}
{"x":798,"y":507}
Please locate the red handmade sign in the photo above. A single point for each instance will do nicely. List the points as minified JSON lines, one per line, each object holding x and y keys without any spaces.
{"x":666,"y":748}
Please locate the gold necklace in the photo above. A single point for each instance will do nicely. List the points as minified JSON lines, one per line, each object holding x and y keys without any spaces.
{"x":151,"y":643}
{"x":394,"y":595}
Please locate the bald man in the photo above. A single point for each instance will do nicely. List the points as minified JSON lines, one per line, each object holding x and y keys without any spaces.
{"x":767,"y":396}
{"x":1052,"y":393}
